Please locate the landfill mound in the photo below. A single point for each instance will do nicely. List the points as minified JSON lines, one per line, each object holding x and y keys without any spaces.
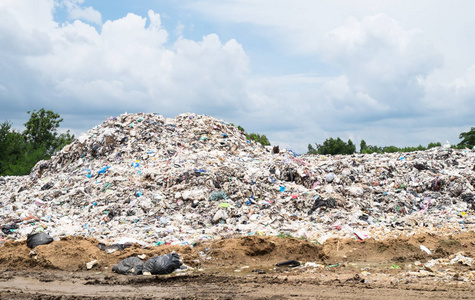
{"x":147,"y":179}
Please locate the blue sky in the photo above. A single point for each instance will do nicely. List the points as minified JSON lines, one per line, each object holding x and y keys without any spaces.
{"x":297,"y":71}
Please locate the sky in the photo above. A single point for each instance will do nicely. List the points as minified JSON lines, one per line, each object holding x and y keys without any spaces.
{"x":396,"y":73}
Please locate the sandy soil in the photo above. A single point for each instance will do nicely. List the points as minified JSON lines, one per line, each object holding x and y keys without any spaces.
{"x":244,"y":268}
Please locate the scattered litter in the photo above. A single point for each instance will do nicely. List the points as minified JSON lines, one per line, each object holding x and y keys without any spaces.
{"x":361,"y":235}
{"x":289,"y":263}
{"x":36,"y":239}
{"x":460,"y":258}
{"x":365,"y":273}
{"x":163,"y":264}
{"x":259,"y":271}
{"x":114,"y":247}
{"x":91,"y":264}
{"x":425,"y":249}
{"x":130,"y":265}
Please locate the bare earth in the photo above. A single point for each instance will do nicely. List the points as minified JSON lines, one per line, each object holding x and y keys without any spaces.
{"x":244,"y":268}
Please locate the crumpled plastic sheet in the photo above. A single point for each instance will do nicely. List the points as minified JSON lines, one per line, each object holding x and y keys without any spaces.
{"x":163,"y":264}
{"x":129,"y":265}
{"x":37,"y":239}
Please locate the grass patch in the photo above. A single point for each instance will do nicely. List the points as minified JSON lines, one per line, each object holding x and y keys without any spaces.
{"x":285,"y":235}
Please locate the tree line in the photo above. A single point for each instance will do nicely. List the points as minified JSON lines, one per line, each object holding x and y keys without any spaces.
{"x":20,"y":151}
{"x":338,"y":146}
{"x":255,"y":137}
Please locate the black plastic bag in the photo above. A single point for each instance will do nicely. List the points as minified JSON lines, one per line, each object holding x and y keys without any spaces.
{"x":289,"y":263}
{"x":330,"y":203}
{"x":37,"y":239}
{"x":8,"y":229}
{"x":130,"y":265}
{"x":164,"y":264}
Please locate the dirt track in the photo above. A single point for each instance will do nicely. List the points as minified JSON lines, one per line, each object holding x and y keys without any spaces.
{"x":62,"y":285}
{"x":245,"y":268}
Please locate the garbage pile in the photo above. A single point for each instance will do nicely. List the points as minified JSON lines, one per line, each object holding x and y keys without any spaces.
{"x":157,"y":265}
{"x":144,"y":178}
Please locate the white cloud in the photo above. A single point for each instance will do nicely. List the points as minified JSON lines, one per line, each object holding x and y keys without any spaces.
{"x":383,"y":93}
{"x":125,"y":67}
{"x":299,"y":27}
{"x":465,"y":85}
{"x":22,"y":28}
{"x":179,"y":29}
{"x":76,"y":12}
{"x":384,"y":63}
{"x":378,"y":46}
{"x":454,"y":101}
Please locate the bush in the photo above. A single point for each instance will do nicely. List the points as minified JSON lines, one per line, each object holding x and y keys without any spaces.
{"x":333,"y":146}
{"x":19,"y":152}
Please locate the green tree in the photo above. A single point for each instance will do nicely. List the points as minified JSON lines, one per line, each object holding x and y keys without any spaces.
{"x":6,"y":146}
{"x":19,"y":152}
{"x":363,"y":146}
{"x":41,"y":129}
{"x":255,"y":137}
{"x":63,"y":139}
{"x":5,"y":128}
{"x":350,"y":148}
{"x":264,"y":141}
{"x":25,"y":160}
{"x":390,"y":149}
{"x":12,"y":150}
{"x":372,"y":149}
{"x":311,"y":150}
{"x":433,"y":145}
{"x":335,"y":146}
{"x":258,"y":138}
{"x":468,"y":139}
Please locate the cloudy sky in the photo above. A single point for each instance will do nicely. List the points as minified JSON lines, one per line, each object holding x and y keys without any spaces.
{"x":298,"y":71}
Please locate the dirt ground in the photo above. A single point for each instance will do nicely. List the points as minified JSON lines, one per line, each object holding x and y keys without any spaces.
{"x":245,"y":268}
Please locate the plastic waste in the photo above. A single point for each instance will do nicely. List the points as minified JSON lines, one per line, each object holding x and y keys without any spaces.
{"x":163,"y":264}
{"x":114,"y":247}
{"x":103,"y":170}
{"x":165,"y":184}
{"x":9,"y":229}
{"x":319,"y":202}
{"x":289,"y":263}
{"x":460,"y":258}
{"x":218,"y":195}
{"x":36,"y":239}
{"x":130,"y":265}
{"x":329,"y":178}
{"x":91,"y":264}
{"x":425,"y":249}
